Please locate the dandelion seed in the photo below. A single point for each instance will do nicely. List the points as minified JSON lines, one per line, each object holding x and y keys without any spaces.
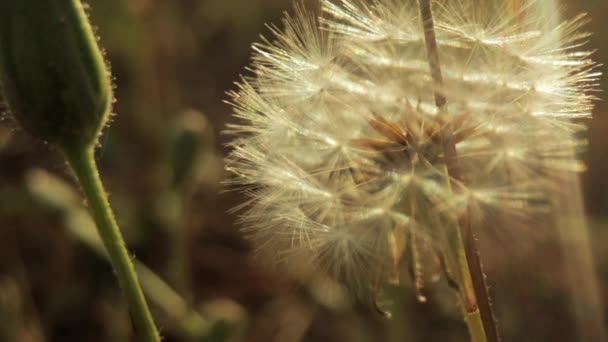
{"x":340,"y":144}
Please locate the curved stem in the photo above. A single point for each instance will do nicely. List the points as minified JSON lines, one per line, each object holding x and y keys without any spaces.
{"x":85,"y":170}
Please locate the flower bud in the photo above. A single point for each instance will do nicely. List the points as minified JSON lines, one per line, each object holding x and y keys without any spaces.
{"x":52,"y":73}
{"x":192,"y":142}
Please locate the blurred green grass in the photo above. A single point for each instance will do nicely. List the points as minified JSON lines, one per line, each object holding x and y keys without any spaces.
{"x":171,"y":58}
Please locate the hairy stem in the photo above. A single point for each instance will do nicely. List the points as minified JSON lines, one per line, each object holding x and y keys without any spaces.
{"x":85,"y":170}
{"x":479,"y":315}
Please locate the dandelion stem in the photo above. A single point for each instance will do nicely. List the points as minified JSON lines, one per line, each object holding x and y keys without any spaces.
{"x":85,"y":170}
{"x":477,"y":300}
{"x":431,"y":48}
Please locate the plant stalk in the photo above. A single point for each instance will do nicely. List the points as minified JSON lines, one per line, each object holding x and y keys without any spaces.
{"x":479,"y":316}
{"x":85,"y":170}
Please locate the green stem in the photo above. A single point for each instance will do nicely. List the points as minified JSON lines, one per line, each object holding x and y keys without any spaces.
{"x":85,"y":170}
{"x":472,"y":291}
{"x":475,"y":324}
{"x":179,"y":261}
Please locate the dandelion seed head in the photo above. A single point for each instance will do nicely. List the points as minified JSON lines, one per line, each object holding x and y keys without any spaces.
{"x":339,"y":143}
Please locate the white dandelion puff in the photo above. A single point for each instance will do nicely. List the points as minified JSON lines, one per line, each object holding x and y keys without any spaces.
{"x":340,"y":146}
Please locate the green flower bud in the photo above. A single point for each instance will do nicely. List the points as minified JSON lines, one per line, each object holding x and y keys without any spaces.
{"x":52,"y":73}
{"x":192,"y":141}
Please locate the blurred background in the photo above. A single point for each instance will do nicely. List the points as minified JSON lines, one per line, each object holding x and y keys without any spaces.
{"x":161,"y":162}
